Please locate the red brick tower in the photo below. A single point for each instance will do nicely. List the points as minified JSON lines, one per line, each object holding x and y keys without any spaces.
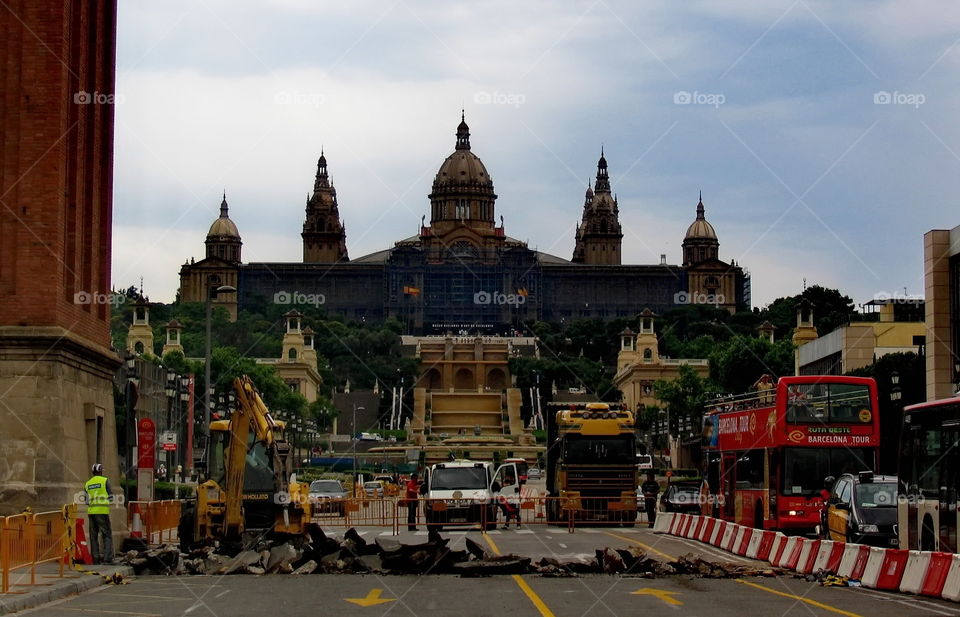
{"x":57,"y":66}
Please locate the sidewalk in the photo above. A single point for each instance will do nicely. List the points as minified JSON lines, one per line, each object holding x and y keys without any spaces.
{"x":50,"y":587}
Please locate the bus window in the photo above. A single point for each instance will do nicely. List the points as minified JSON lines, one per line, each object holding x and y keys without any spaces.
{"x":805,"y":468}
{"x":819,"y":403}
{"x":750,"y":470}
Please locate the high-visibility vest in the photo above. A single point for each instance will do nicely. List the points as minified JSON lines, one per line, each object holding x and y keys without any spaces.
{"x":98,"y":500}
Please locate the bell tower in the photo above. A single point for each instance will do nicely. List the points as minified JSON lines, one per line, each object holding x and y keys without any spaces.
{"x":599,"y":236}
{"x":324,"y":236}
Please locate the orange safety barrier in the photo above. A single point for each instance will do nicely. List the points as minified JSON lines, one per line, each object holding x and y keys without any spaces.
{"x":32,"y":539}
{"x":159,"y":519}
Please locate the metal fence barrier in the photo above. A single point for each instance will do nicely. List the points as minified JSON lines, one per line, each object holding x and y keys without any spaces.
{"x":392,"y":513}
{"x":154,"y":521}
{"x":27,"y":540}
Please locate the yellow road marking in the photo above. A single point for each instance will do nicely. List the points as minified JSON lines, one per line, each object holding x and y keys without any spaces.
{"x":645,"y":547}
{"x":825,"y":607}
{"x":373,"y":598}
{"x":100,"y":611}
{"x":522,"y":584}
{"x":662,"y":594}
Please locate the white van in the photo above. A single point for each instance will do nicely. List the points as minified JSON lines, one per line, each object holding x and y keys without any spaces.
{"x":463,"y":492}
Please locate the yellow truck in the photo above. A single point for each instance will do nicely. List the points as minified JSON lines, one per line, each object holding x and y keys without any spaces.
{"x":591,"y":463}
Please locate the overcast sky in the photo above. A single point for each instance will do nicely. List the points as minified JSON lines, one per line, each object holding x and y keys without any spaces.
{"x":822,"y":134}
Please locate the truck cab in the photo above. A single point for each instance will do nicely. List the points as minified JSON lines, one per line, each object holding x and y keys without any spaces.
{"x":463,"y":492}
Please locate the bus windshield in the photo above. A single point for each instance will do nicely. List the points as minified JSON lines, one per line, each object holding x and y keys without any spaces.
{"x":828,"y":403}
{"x":805,"y":468}
{"x":582,"y":450}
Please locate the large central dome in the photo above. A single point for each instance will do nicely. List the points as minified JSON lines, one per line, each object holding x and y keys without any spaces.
{"x":463,"y":169}
{"x":462,"y":193}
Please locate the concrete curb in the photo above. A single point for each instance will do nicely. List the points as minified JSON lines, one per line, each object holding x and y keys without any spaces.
{"x":61,"y":588}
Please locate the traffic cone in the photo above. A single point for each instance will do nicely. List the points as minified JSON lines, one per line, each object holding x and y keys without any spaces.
{"x":136,"y":526}
{"x":82,"y":554}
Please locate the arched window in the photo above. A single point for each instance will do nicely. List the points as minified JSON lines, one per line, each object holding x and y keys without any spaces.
{"x":647,"y":354}
{"x":138,"y":347}
{"x":292,"y":355}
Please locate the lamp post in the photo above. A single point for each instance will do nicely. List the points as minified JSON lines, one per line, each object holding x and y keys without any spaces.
{"x":353,"y":429}
{"x":207,"y":386}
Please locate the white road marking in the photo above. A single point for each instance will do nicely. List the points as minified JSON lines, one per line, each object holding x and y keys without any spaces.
{"x":561,"y":545}
{"x":524,"y":531}
{"x":912,"y":602}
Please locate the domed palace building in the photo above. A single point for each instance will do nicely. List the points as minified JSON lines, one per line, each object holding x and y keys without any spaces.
{"x":462,"y":273}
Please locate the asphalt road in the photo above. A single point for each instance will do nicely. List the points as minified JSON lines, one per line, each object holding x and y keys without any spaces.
{"x":595,"y":595}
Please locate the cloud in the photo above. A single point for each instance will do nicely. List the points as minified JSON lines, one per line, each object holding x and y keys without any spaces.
{"x":242,"y":95}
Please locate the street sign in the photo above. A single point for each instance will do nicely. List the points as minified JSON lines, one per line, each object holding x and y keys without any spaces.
{"x":169,"y":447}
{"x":146,"y":443}
{"x":168,"y":437}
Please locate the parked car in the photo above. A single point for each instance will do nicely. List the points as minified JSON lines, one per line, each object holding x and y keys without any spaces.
{"x":862,"y":508}
{"x":373,"y":488}
{"x":327,"y":496}
{"x":683,"y":497}
{"x":534,"y":473}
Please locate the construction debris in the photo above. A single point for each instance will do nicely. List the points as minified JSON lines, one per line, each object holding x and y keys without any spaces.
{"x":319,"y":553}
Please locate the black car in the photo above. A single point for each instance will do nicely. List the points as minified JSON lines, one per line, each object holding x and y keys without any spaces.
{"x":862,"y":508}
{"x":682,"y":497}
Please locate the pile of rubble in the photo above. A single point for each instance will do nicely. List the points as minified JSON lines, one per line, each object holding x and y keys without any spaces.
{"x":320,"y":553}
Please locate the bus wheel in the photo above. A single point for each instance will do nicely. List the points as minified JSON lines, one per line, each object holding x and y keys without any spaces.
{"x":927,"y":535}
{"x":629,"y":518}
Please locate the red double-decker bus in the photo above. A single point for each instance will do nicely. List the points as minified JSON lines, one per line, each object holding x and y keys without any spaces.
{"x":767,"y":453}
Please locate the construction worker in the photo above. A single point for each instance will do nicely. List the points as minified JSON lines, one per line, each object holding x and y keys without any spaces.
{"x":98,"y":514}
{"x":412,"y":497}
{"x":650,"y":489}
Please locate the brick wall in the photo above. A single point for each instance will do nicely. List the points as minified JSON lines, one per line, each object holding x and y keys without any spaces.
{"x":56,"y":163}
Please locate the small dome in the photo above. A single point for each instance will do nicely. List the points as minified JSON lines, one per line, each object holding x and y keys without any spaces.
{"x":223,"y":226}
{"x":700,"y":228}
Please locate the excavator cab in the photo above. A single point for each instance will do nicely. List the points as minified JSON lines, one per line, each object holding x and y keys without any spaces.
{"x":249,"y":488}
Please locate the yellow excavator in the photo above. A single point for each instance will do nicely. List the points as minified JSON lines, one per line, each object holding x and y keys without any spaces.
{"x":251,"y":489}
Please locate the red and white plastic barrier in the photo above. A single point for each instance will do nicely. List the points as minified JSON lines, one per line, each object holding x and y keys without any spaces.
{"x":829,"y":556}
{"x":663,"y":522}
{"x":853,"y":561}
{"x":933,"y":574}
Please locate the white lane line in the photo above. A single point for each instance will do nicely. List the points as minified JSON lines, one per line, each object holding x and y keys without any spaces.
{"x":528,"y":531}
{"x":590,"y":531}
{"x":561,"y":545}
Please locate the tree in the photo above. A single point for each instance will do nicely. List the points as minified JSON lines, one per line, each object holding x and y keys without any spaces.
{"x":684,"y":397}
{"x":831,"y":309}
{"x":738,"y":363}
